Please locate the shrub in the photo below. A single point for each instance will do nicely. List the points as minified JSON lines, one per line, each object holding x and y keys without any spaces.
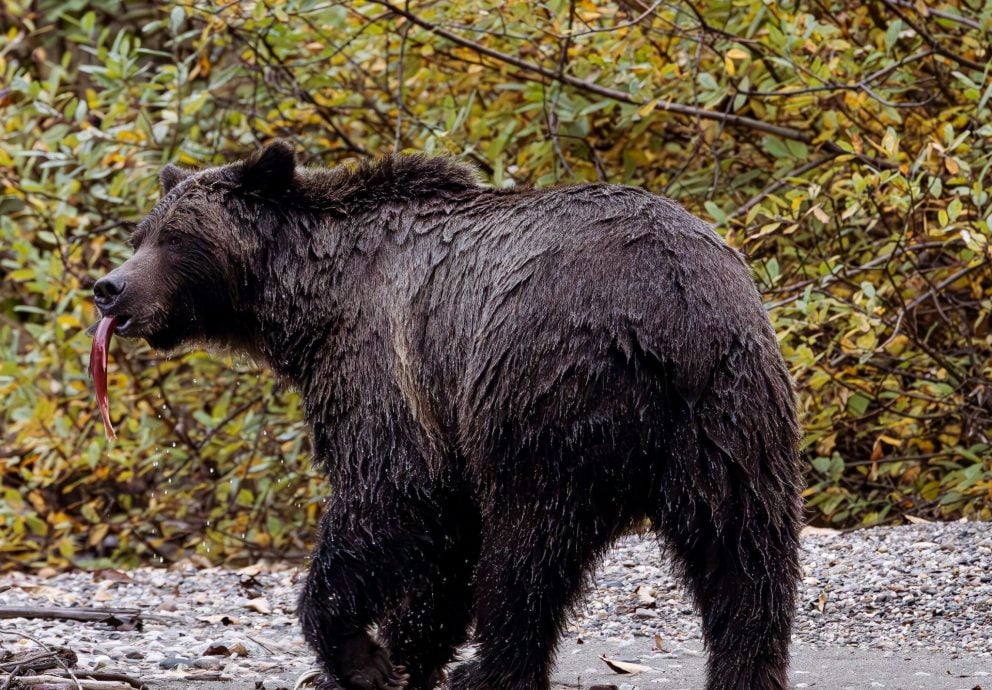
{"x":845,"y":147}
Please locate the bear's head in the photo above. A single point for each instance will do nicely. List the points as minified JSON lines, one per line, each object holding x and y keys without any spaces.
{"x":189,"y":280}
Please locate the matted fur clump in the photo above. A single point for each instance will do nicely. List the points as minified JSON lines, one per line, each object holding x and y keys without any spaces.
{"x":499,"y":384}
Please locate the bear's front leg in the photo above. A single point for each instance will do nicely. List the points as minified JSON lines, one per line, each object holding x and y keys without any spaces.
{"x":360,"y":569}
{"x":425,"y":630}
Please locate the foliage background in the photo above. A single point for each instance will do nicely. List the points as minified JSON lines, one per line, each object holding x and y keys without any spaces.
{"x":844,"y":146}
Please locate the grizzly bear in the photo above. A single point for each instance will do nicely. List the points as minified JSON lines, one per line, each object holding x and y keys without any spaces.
{"x":499,"y":384}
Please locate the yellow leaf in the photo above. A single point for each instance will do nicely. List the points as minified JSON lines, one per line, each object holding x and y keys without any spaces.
{"x":857,"y":142}
{"x":647,"y":108}
{"x":766,"y":230}
{"x":97,"y":534}
{"x":737,"y":54}
{"x":889,"y":142}
{"x":131,"y":136}
{"x":728,"y":66}
{"x":826,"y":445}
{"x":867,"y":341}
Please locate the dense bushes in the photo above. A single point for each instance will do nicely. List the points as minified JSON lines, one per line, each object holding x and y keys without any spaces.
{"x":846,"y":147}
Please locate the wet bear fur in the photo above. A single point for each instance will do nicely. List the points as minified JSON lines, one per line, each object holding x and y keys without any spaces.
{"x":499,"y":385}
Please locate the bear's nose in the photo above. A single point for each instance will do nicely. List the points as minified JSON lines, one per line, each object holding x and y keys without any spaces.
{"x":107,"y":290}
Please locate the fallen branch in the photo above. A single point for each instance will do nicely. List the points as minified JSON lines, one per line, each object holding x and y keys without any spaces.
{"x":206,"y":676}
{"x":55,"y":655}
{"x":34,"y":660}
{"x":125,"y":619}
{"x":51,"y":682}
{"x":106,"y":676}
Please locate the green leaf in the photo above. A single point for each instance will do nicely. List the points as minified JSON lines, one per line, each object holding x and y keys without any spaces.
{"x":718,"y":215}
{"x":857,"y":404}
{"x":892,"y":34}
{"x":776,"y":147}
{"x":176,"y":18}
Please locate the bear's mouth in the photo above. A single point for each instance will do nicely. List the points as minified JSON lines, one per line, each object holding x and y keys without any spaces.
{"x":125,"y":324}
{"x":124,"y":321}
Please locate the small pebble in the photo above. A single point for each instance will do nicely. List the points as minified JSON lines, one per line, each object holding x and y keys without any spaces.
{"x":172,"y":662}
{"x":208,"y":663}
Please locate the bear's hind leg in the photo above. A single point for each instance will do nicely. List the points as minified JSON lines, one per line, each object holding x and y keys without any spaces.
{"x":738,"y":554}
{"x":536,"y":556}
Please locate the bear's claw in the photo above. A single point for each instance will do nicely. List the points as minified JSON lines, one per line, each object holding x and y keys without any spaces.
{"x":382,"y":675}
{"x":363,"y":664}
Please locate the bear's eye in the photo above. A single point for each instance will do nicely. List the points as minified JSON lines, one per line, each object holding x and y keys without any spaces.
{"x":174,"y":240}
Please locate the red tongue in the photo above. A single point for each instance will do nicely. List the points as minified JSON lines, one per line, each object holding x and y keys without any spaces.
{"x":98,"y":369}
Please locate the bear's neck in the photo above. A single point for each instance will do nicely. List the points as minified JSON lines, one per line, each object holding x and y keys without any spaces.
{"x":299,"y":305}
{"x":325,"y":262}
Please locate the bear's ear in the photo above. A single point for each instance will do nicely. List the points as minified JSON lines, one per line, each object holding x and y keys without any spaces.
{"x":270,"y":171}
{"x":170,"y":176}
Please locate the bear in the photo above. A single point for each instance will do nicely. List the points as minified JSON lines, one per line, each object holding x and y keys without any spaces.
{"x":499,"y":383}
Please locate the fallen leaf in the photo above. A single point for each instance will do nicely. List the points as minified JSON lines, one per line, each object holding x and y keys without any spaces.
{"x":223,"y":619}
{"x":252,"y":570}
{"x":223,"y":650}
{"x":625,"y":667}
{"x":103,"y":593}
{"x":258,"y":604}
{"x":111,"y":575}
{"x":54,"y":595}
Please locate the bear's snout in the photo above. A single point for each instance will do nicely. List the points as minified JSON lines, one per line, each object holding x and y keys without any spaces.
{"x":108,"y":290}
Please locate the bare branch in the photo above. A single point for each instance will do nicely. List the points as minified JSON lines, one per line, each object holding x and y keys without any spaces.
{"x":617,"y":95}
{"x":623,"y":25}
{"x":781,"y":182}
{"x":931,"y":40}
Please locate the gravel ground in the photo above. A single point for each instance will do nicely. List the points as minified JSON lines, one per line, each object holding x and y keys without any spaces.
{"x":911,"y":589}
